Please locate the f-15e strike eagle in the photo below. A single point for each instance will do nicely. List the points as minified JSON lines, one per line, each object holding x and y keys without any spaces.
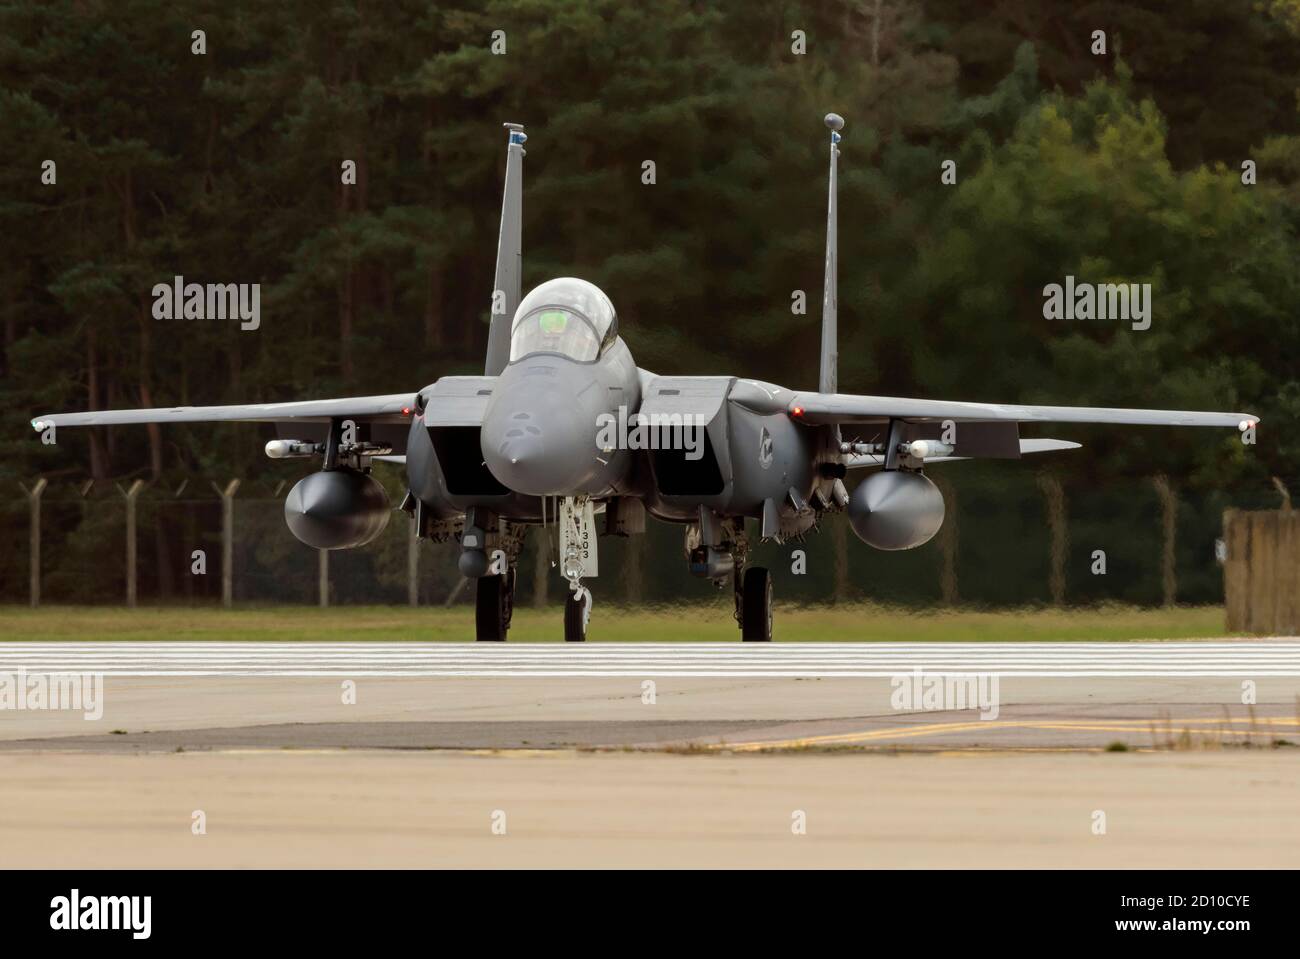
{"x":529,"y":444}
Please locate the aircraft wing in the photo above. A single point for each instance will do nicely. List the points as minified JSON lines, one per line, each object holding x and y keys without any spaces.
{"x":395,"y":408}
{"x":829,"y":408}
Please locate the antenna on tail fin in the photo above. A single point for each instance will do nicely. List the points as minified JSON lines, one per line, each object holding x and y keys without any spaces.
{"x":828,"y":380}
{"x":505,"y":288}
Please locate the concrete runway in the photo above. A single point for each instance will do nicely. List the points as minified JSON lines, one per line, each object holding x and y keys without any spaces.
{"x":166,"y":696}
{"x":1252,"y":659}
{"x":666,"y":755}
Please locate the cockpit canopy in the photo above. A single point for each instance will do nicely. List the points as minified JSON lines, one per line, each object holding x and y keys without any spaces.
{"x":567,"y":316}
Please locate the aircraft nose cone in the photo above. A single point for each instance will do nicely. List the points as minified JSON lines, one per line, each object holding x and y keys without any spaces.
{"x":533,"y":458}
{"x":523,"y":448}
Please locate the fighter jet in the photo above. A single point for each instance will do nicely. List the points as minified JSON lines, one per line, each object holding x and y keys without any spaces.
{"x":563,"y":427}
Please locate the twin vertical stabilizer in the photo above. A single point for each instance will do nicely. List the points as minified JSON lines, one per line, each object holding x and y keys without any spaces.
{"x":505,"y":288}
{"x":506,"y":291}
{"x":828,"y":379}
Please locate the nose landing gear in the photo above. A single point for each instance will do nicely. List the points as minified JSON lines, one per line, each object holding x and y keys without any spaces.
{"x":577,"y":613}
{"x":578,"y":559}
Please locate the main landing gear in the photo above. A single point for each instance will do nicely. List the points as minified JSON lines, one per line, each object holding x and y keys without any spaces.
{"x":495,"y":583}
{"x":754,"y":604}
{"x":493,"y":605}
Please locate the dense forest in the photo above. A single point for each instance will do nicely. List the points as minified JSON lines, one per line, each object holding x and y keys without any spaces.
{"x":1145,"y":141}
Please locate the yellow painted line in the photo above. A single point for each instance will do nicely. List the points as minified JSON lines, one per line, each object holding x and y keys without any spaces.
{"x":909,"y":732}
{"x":900,"y":731}
{"x":1260,"y":728}
{"x":1016,"y":751}
{"x":1257,"y":721}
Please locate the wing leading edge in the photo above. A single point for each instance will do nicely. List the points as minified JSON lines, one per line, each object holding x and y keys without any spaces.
{"x":830,"y":408}
{"x":392,"y":408}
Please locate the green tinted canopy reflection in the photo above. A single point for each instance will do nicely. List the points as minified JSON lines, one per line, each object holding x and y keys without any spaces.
{"x":553,"y":322}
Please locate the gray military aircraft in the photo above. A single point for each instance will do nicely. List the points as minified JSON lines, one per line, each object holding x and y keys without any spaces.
{"x":563,"y":426}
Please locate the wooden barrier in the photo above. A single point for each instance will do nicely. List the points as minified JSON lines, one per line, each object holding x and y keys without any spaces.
{"x":1261,"y":572}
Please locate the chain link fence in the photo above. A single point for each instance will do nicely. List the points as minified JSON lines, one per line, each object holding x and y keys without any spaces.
{"x":1007,"y":541}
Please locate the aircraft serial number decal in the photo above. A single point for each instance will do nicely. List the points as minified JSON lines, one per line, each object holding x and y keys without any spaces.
{"x":578,"y":528}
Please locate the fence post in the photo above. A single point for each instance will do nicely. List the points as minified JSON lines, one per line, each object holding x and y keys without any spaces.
{"x":413,"y":566}
{"x":227,"y":541}
{"x":131,"y":572}
{"x":541,"y":567}
{"x":948,"y":545}
{"x":34,"y":539}
{"x":1053,"y":492}
{"x":1236,"y":569}
{"x":839,"y":523}
{"x":456,"y":590}
{"x":1169,"y":517}
{"x":1283,"y":492}
{"x":323,"y":576}
{"x":633,"y":575}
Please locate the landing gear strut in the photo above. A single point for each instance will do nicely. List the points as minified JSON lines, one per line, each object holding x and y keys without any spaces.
{"x":575,"y":532}
{"x":754,"y":605}
{"x":493,"y":605}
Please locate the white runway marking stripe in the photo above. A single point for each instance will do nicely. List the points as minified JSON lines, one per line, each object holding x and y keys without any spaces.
{"x":1247,"y":658}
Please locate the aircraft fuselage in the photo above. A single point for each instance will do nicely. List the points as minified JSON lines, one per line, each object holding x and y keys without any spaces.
{"x":539,"y":429}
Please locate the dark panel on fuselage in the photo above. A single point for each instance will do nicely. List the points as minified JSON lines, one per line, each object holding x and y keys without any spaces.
{"x":679,"y":476}
{"x":461,"y":460}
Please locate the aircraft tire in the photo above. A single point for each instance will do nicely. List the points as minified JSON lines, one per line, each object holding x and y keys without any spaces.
{"x":575,"y":626}
{"x":756,"y":606}
{"x":491,"y":610}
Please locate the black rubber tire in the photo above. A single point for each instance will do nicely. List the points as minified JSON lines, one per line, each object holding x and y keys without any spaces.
{"x":756,"y":606}
{"x":508,"y":603}
{"x":575,"y":629}
{"x":491,"y":610}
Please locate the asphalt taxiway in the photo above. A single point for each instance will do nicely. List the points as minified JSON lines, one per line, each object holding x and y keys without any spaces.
{"x":385,"y":808}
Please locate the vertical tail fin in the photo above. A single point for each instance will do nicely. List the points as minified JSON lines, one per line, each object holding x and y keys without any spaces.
{"x":829,"y":378}
{"x":505,"y":287}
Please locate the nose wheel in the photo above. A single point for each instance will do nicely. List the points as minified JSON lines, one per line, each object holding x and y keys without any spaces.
{"x":756,"y":606}
{"x":493,"y":605}
{"x":577,"y":612}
